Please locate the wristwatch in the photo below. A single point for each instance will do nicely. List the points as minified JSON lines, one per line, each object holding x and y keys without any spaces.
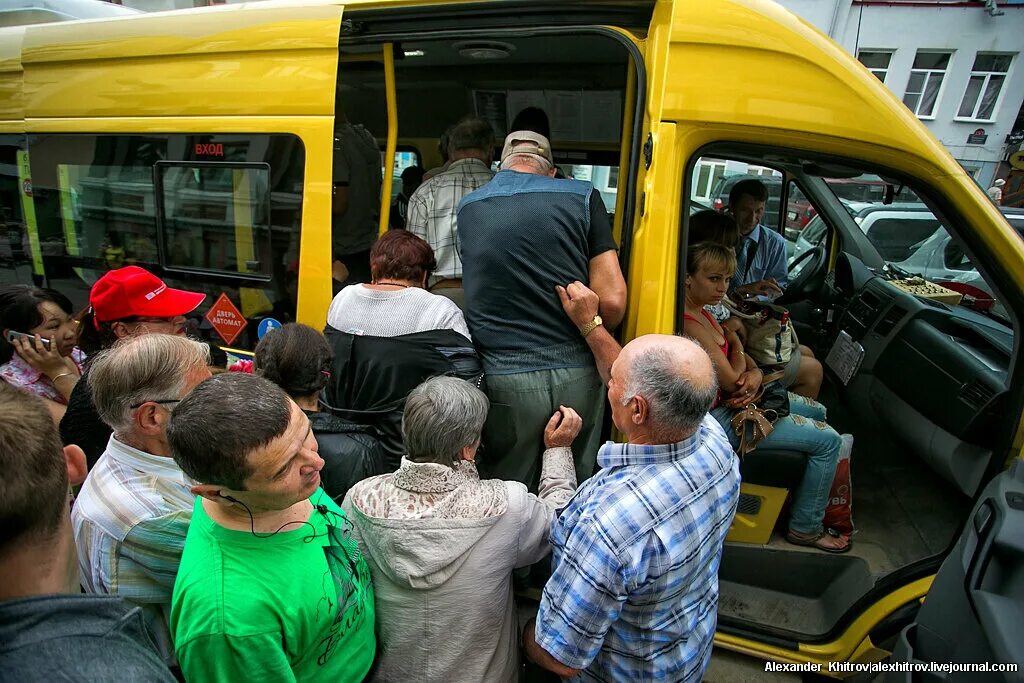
{"x":591,"y":326}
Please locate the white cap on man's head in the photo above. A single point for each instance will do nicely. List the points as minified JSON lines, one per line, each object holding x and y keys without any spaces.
{"x":527,"y":142}
{"x":999,"y":182}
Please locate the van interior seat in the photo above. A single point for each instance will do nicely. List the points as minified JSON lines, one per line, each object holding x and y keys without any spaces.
{"x":779,"y":468}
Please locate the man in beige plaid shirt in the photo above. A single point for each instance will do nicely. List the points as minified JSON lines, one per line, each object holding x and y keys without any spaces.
{"x":433,"y":206}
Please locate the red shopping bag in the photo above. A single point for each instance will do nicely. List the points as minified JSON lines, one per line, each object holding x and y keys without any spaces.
{"x":839,"y":511}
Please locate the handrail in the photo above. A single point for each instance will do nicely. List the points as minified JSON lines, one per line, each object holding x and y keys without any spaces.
{"x":392,"y":143}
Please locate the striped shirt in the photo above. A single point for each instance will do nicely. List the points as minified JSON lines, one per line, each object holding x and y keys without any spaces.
{"x":432,"y":211}
{"x":130,"y":522}
{"x":634,"y":591}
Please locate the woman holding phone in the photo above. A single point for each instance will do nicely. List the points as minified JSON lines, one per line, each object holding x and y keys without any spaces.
{"x":37,"y":347}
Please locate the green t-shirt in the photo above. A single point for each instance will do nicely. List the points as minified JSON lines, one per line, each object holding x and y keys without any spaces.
{"x":296,"y":606}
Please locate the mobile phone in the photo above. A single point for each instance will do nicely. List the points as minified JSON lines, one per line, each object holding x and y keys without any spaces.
{"x":12,"y":335}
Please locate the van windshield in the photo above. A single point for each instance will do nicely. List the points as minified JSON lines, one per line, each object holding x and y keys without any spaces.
{"x":915,"y":242}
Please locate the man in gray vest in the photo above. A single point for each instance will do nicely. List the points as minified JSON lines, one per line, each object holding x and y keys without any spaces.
{"x":521,"y":235}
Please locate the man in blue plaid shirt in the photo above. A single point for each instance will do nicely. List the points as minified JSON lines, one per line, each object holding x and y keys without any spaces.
{"x":634,"y":591}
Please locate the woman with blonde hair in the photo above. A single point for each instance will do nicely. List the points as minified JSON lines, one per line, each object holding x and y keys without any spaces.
{"x":709,"y":268}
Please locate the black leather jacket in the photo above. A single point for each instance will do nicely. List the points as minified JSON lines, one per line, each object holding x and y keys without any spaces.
{"x":351,"y":453}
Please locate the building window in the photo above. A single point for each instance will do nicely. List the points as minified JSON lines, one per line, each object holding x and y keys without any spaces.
{"x":705,"y":177}
{"x":877,"y":61}
{"x":925,"y":82}
{"x":987,"y":78}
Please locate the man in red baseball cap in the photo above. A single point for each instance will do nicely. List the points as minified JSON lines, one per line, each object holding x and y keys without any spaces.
{"x":127,"y":302}
{"x":134,"y":296}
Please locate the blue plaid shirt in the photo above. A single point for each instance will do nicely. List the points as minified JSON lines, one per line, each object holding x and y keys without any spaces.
{"x":634,"y":592}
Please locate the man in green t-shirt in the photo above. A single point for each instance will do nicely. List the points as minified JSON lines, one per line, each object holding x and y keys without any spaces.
{"x":272,"y":586}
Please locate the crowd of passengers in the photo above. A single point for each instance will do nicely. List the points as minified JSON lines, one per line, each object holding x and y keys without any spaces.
{"x":364,"y":501}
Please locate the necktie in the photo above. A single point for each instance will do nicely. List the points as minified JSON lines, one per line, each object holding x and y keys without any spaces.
{"x":741,"y":259}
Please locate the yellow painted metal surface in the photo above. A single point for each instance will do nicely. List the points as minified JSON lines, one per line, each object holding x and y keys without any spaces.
{"x":11,"y":105}
{"x":260,"y":61}
{"x":654,"y":259}
{"x":625,"y":147}
{"x":757,"y":529}
{"x":852,"y":645}
{"x":392,"y":142}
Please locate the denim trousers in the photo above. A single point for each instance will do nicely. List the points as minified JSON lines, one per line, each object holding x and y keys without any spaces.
{"x":804,"y":431}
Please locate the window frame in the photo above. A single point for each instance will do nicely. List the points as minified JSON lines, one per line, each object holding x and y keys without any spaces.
{"x":928,"y":73}
{"x":975,"y":72}
{"x":161,"y":231}
{"x":889,"y":52}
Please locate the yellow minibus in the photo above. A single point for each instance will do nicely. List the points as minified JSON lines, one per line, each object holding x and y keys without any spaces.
{"x":198,"y":144}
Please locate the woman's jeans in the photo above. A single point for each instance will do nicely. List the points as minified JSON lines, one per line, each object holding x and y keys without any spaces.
{"x":803,"y":430}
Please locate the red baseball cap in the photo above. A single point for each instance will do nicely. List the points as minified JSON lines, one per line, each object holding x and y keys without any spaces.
{"x":135,"y":292}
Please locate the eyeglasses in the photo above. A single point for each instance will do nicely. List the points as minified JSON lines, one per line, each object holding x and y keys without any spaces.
{"x":162,"y":401}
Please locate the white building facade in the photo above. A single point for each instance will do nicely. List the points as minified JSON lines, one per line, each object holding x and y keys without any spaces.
{"x":957,"y":65}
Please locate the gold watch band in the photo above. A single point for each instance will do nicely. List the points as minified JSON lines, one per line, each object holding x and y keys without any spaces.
{"x":591,"y":326}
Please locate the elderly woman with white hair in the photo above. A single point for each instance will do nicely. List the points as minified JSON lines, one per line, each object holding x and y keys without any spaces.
{"x":442,"y":544}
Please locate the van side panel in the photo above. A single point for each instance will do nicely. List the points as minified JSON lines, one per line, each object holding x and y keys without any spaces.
{"x":232,"y":69}
{"x":760,"y":65}
{"x":260,"y":62}
{"x":11,"y":107}
{"x":653,"y":266}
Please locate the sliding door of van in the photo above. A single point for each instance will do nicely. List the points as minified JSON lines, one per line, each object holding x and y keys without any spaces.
{"x":215,"y":174}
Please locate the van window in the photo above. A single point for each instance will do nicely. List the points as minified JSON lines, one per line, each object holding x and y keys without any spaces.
{"x":12,"y":227}
{"x":405,"y":156}
{"x":713,"y":180}
{"x":219,"y":214}
{"x":604,"y":179}
{"x":914,"y":241}
{"x":215,"y":217}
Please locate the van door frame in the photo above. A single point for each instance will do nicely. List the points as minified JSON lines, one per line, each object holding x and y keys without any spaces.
{"x":628,"y":218}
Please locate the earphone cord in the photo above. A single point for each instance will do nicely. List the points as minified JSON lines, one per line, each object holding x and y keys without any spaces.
{"x":319,"y":507}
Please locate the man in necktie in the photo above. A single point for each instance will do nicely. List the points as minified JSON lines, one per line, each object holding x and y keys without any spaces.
{"x":761,"y":256}
{"x":762,"y":274}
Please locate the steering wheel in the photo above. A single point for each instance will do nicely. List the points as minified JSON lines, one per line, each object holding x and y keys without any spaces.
{"x":803,"y":269}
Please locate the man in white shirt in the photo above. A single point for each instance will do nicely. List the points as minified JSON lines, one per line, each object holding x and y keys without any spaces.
{"x":132,"y":515}
{"x":432,"y":208}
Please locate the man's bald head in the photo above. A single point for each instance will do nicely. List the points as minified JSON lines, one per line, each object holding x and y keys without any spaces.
{"x":676,"y":378}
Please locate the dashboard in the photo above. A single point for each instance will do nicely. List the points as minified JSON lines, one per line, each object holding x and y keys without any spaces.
{"x":935,"y":374}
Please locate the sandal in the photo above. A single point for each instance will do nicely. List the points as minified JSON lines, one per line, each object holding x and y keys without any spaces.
{"x":814,"y":541}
